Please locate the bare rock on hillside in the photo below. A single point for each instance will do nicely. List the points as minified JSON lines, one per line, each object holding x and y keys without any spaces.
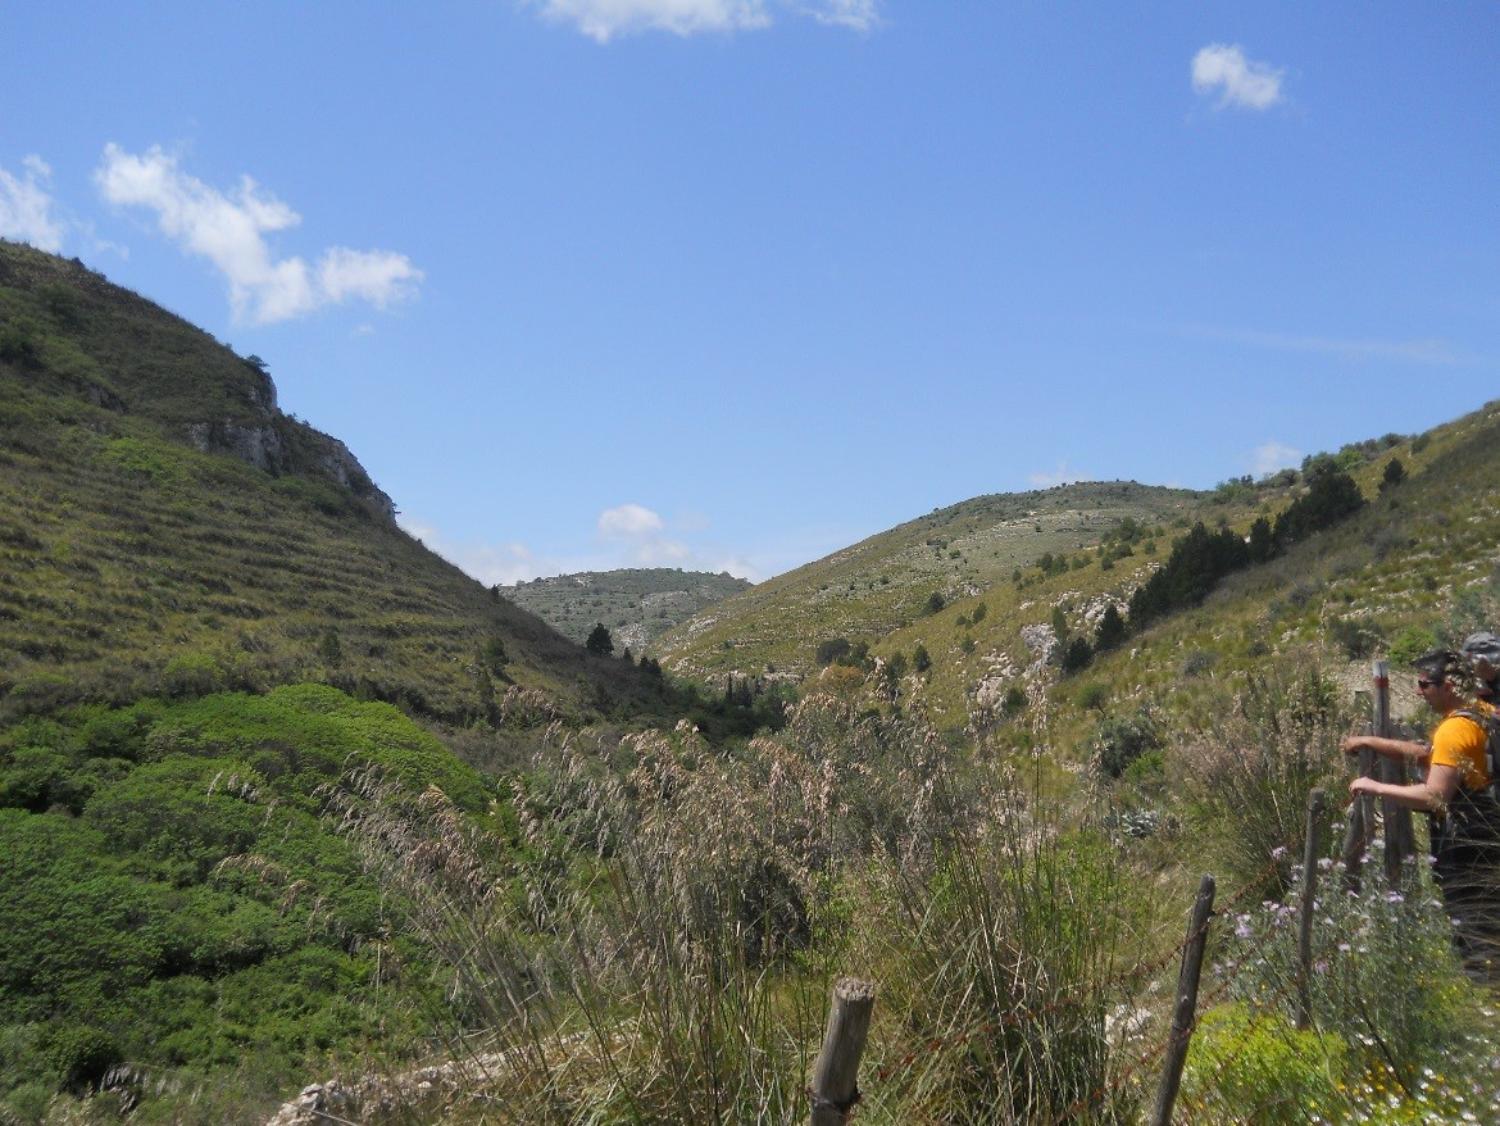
{"x":260,"y":446}
{"x":1041,"y":643}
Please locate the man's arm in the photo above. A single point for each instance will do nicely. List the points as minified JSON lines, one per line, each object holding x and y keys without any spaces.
{"x":1391,"y":748}
{"x":1432,"y":795}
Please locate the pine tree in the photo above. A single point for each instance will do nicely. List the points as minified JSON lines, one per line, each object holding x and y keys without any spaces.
{"x":600,"y":643}
{"x":1111,"y":630}
{"x":1394,"y":474}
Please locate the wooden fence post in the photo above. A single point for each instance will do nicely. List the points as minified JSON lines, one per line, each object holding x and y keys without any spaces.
{"x":1310,"y":850}
{"x":1400,"y":841}
{"x":1360,"y":829}
{"x":835,"y":1082}
{"x":1183,"y":1016}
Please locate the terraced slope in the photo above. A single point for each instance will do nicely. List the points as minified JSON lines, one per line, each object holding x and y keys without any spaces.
{"x":636,"y":604}
{"x":164,"y":529}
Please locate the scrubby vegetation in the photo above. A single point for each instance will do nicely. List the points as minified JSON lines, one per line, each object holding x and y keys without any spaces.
{"x":172,"y":898}
{"x":282,"y":795}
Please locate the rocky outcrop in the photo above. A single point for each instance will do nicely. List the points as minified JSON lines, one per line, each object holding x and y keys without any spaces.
{"x":260,"y":446}
{"x":283,"y":445}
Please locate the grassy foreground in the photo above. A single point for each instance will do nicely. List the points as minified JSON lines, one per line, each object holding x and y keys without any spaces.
{"x":658,"y":941}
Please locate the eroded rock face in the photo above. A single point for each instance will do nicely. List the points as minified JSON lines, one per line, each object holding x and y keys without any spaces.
{"x":1041,"y":642}
{"x":260,"y":446}
{"x":264,"y":446}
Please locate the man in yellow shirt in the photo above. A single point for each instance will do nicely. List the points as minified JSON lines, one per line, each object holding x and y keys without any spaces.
{"x":1465,"y":822}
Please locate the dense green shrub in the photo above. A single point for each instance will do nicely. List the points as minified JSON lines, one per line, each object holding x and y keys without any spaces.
{"x":1411,"y":643}
{"x":1355,"y":638}
{"x":831,"y":650}
{"x":1076,"y":655}
{"x":1093,"y":696}
{"x":80,"y":1055}
{"x":1120,"y":740}
{"x":171,"y":897}
{"x":1247,"y":772}
{"x":1245,"y":1065}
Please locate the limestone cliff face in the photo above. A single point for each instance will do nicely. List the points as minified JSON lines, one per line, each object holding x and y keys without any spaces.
{"x":261,"y":446}
{"x":275,"y":443}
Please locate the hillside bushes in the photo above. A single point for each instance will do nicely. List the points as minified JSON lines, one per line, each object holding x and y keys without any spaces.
{"x":170,"y":895}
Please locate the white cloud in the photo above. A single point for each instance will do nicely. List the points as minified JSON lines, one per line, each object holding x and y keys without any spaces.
{"x":229,"y":230}
{"x":504,"y":564}
{"x":629,"y":520}
{"x":1062,"y":475}
{"x":602,"y":20}
{"x":1240,"y":81}
{"x":376,"y":276}
{"x":26,"y":208}
{"x":1432,"y":352}
{"x":1273,"y":455}
{"x":861,"y":15}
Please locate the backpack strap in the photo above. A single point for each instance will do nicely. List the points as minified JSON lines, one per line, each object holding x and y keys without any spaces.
{"x":1487,"y":721}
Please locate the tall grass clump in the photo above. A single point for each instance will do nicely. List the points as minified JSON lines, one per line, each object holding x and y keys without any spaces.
{"x":999,"y":968}
{"x":1247,"y":773}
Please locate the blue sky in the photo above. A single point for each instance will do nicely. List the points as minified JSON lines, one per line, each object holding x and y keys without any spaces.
{"x":730,"y":284}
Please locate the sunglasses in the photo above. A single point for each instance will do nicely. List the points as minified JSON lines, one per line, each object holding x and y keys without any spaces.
{"x":1423,"y":682}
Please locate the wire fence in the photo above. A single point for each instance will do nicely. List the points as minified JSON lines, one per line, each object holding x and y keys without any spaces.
{"x":1124,"y":987}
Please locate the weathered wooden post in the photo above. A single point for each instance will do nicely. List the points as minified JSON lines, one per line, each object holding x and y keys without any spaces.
{"x":1360,"y":829}
{"x":835,"y":1080}
{"x":1183,"y":1016}
{"x":1310,"y":850}
{"x":1400,"y":841}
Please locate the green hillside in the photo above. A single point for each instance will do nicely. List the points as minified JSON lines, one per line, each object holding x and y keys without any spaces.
{"x":636,"y":605}
{"x":886,"y":582}
{"x":217,"y":652}
{"x":1409,"y":569}
{"x":165,"y":529}
{"x":247,"y":841}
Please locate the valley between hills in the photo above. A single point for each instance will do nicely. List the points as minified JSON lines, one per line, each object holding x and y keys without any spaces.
{"x":284,"y":795}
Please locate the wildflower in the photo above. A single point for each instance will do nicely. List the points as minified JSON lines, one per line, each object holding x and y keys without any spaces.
{"x":1325,"y":863}
{"x":1279,"y":852}
{"x":1394,"y":896}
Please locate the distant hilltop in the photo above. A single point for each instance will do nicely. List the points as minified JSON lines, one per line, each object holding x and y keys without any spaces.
{"x":635,"y":605}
